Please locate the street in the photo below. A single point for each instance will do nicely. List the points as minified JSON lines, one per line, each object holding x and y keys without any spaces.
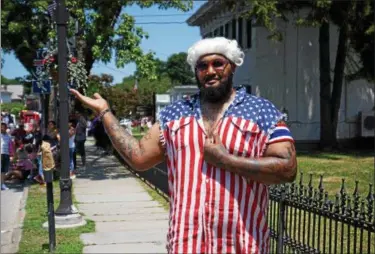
{"x":12,"y":214}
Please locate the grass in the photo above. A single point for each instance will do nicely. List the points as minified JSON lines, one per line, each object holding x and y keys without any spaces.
{"x":155,"y":195}
{"x":334,"y":167}
{"x":35,"y":237}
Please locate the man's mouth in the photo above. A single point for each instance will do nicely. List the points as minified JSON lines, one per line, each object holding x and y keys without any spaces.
{"x":212,"y":82}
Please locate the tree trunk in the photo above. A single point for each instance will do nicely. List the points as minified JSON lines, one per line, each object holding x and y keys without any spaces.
{"x":342,"y":50}
{"x":326,"y":138}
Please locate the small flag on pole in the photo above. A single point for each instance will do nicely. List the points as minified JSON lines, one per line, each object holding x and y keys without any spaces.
{"x":135,"y":85}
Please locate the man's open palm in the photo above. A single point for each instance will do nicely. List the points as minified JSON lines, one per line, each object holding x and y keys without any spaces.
{"x":97,"y":103}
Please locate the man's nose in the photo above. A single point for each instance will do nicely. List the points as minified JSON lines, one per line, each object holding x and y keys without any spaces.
{"x":210,"y":70}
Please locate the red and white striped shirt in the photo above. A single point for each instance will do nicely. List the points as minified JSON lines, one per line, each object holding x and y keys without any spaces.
{"x":213,"y":210}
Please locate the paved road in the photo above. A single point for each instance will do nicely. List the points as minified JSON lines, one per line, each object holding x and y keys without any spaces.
{"x":12,"y":214}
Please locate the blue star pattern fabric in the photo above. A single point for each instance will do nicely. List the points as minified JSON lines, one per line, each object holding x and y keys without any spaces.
{"x":245,"y":106}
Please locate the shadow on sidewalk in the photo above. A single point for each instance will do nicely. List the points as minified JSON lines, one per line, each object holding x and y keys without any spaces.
{"x":101,"y":166}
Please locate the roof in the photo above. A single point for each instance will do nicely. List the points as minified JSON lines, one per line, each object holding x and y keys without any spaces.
{"x":182,"y":88}
{"x":198,"y":14}
{"x":16,"y":90}
{"x":213,"y":8}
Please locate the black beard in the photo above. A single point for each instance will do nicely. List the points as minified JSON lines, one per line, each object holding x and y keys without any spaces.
{"x":218,"y":94}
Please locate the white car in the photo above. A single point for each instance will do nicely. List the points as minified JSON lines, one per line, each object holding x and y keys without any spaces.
{"x":126,"y":122}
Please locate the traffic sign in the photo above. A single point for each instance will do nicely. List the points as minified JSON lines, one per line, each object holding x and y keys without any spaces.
{"x":42,"y":87}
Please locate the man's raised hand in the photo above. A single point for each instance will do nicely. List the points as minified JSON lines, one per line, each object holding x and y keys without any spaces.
{"x":97,"y":103}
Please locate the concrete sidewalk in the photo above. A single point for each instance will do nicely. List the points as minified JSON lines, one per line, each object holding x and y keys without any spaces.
{"x":13,"y":202}
{"x":127,"y":219}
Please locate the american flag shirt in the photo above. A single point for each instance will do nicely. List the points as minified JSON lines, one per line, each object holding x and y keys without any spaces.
{"x":213,"y":210}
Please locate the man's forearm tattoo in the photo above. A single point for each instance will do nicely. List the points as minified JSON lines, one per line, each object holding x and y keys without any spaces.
{"x":282,"y":165}
{"x":128,"y":146}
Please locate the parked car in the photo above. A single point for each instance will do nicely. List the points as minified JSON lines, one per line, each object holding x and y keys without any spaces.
{"x":126,"y":122}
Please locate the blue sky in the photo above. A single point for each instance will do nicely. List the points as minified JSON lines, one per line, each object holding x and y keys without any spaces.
{"x":164,"y":40}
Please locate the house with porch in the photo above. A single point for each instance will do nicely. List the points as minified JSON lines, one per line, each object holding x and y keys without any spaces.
{"x":287,"y":72}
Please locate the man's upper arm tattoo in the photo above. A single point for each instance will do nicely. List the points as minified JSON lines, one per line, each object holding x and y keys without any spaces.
{"x":128,"y":146}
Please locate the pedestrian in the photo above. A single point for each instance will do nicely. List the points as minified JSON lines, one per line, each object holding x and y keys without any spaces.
{"x":19,"y":135}
{"x":72,"y":147}
{"x":80,"y":139}
{"x":7,"y":151}
{"x":223,"y":148}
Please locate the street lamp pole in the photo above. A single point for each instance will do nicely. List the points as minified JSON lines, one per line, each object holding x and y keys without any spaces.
{"x":66,"y":205}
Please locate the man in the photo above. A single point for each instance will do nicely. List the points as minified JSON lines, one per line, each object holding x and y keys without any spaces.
{"x":6,"y":152}
{"x":80,"y":140}
{"x":223,"y":147}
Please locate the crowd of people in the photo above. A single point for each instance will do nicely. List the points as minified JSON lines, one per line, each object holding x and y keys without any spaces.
{"x":26,"y":152}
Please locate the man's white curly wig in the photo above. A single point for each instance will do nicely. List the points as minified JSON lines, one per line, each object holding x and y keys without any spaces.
{"x":217,"y":45}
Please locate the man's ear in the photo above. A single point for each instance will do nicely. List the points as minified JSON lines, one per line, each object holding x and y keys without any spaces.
{"x":233,"y":67}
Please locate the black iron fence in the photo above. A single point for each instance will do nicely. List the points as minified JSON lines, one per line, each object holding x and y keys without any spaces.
{"x":304,"y":219}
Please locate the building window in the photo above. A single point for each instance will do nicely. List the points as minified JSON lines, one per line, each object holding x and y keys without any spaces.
{"x":248,"y":33}
{"x":226,"y":30}
{"x":216,"y":32}
{"x":221,"y":31}
{"x":234,"y":35}
{"x":248,"y":89}
{"x":240,"y":32}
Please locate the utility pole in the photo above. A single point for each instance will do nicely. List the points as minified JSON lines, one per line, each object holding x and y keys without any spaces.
{"x":66,"y":214}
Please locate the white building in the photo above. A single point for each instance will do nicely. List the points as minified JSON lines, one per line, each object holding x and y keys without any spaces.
{"x":181,"y":92}
{"x":11,"y":93}
{"x":6,"y":96}
{"x":287,"y":72}
{"x":172,"y":95}
{"x":161,"y":101}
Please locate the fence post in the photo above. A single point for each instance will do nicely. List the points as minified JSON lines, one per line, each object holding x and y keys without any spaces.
{"x":281,"y":222}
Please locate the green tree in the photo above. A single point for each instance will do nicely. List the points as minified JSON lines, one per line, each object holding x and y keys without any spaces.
{"x":356,"y":29}
{"x":122,"y":101}
{"x":106,"y":30}
{"x":179,"y":70}
{"x":96,"y":83}
{"x":13,"y":107}
{"x":6,"y":81}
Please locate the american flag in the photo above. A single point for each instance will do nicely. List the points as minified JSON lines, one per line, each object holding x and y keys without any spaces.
{"x":213,"y":210}
{"x":51,"y":8}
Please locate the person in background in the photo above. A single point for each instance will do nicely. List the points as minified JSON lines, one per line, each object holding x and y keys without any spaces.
{"x":72,"y":147}
{"x":48,"y":162}
{"x":54,"y":140}
{"x":19,"y":134}
{"x":22,"y":167}
{"x":53,"y":133}
{"x":7,"y":152}
{"x":36,"y":142}
{"x":5,"y":117}
{"x":80,"y":139}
